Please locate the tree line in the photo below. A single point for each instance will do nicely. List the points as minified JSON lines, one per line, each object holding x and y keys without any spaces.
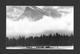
{"x":43,"y":40}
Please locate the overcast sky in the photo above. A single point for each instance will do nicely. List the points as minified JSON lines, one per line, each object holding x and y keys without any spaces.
{"x":24,"y":26}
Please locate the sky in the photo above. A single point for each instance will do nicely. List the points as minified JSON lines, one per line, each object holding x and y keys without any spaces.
{"x":25,"y":26}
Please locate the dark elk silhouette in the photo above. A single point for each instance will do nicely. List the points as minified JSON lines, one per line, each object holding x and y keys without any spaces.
{"x":34,"y":13}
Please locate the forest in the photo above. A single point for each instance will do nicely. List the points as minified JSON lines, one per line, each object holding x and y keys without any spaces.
{"x":43,"y":40}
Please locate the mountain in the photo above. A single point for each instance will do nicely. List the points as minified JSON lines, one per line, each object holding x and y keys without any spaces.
{"x":33,"y":13}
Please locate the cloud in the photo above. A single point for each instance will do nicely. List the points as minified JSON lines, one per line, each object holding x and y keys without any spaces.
{"x":65,"y":23}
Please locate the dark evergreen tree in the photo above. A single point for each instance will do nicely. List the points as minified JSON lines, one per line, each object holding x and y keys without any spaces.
{"x":43,"y":40}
